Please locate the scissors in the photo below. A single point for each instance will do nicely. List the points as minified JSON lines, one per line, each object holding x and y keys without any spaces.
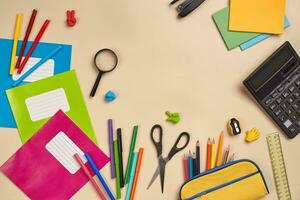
{"x":160,"y":170}
{"x":103,"y":71}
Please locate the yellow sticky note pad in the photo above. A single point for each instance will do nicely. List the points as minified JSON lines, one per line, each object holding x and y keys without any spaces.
{"x":259,"y":16}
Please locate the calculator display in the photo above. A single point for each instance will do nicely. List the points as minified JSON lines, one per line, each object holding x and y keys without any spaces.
{"x":270,"y":68}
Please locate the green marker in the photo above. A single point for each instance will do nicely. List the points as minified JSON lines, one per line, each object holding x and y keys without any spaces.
{"x":130,"y":156}
{"x":116,"y":154}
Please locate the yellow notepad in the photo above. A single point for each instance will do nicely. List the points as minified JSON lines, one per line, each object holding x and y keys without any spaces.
{"x":259,"y":16}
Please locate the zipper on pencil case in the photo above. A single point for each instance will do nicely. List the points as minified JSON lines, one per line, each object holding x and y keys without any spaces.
{"x":221,"y":186}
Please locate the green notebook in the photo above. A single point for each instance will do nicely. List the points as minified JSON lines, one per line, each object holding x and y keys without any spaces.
{"x":232,"y":39}
{"x":34,"y":103}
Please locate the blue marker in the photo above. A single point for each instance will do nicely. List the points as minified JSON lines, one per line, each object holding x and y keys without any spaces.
{"x":37,"y":65}
{"x":96,"y":171}
{"x":133,"y":167}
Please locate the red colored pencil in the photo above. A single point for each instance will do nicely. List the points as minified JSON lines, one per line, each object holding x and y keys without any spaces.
{"x":186,"y":169}
{"x":33,"y":46}
{"x":208,"y":154}
{"x":25,"y":40}
{"x":137,"y":171}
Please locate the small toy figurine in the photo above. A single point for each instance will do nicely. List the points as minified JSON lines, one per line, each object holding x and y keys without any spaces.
{"x":173,"y":117}
{"x":71,"y":20}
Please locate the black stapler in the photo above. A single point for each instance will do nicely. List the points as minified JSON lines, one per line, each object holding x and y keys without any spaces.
{"x":187,"y":6}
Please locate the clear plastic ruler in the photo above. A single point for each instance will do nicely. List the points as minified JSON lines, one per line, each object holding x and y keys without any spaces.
{"x":278,"y":166}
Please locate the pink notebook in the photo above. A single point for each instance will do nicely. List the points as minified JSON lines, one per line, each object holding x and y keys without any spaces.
{"x":44,"y":167}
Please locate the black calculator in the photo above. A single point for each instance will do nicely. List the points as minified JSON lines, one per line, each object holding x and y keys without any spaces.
{"x":275,"y":84}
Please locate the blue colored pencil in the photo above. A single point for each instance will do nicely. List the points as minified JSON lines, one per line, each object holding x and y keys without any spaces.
{"x":96,"y":171}
{"x":190,"y":163}
{"x":131,"y":178}
{"x":37,"y":65}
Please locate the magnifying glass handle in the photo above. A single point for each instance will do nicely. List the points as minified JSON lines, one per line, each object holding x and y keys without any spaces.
{"x":92,"y":94}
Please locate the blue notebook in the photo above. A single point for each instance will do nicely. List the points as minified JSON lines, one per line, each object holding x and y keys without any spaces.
{"x":261,"y":37}
{"x":61,"y":62}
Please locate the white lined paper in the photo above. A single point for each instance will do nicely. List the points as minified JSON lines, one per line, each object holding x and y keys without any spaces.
{"x":63,"y":149}
{"x":47,"y":104}
{"x":44,"y":71}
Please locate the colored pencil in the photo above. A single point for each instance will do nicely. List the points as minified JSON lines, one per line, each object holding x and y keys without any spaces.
{"x":190,"y":164}
{"x":88,"y":174}
{"x":220,"y":149}
{"x":231,"y":158}
{"x":130,"y":156}
{"x":25,"y":40}
{"x":131,"y":177}
{"x":111,"y":148}
{"x":194,"y":164}
{"x":208,"y":154}
{"x":197,"y":157}
{"x":185,"y":167}
{"x":120,"y":149}
{"x":116,"y":155}
{"x":101,"y":179}
{"x":225,"y":157}
{"x":15,"y":43}
{"x":137,"y":172}
{"x":33,"y":46}
{"x":213,"y":154}
{"x":36,"y":66}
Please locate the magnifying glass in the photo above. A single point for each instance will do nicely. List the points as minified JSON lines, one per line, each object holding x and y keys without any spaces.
{"x":105,"y":61}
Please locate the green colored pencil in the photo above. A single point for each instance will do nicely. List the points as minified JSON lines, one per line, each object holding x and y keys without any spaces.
{"x":130,"y":156}
{"x":116,"y":155}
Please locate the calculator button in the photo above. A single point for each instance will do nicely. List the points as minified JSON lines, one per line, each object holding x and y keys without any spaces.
{"x":285,"y":94}
{"x":275,"y":94}
{"x":296,"y":94}
{"x":294,"y":116}
{"x":277,"y":112}
{"x":281,"y":89}
{"x":292,"y":88}
{"x":297,"y":123}
{"x":268,"y":101}
{"x":272,"y":106}
{"x":289,"y":111}
{"x":287,"y":123}
{"x":284,"y":105}
{"x":279,"y":100}
{"x":297,"y":82}
{"x":282,"y":117}
{"x":292,"y":129}
{"x":295,"y":106}
{"x":290,"y":99}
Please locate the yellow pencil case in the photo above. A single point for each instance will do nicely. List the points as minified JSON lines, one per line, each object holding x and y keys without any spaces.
{"x":237,"y":180}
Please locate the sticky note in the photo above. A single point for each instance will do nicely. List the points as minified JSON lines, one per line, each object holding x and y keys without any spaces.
{"x":45,"y":105}
{"x":231,"y":39}
{"x":261,"y":37}
{"x":63,"y":149}
{"x":259,"y":16}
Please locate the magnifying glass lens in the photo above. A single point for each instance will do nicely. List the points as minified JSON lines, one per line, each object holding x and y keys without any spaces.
{"x":105,"y":61}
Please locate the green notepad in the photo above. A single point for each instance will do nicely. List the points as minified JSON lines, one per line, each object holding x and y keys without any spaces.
{"x":34,"y":103}
{"x":232,"y":39}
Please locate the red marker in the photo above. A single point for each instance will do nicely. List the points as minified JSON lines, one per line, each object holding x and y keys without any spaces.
{"x":34,"y":44}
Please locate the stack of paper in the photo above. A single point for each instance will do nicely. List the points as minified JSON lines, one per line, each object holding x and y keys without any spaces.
{"x":246,"y":23}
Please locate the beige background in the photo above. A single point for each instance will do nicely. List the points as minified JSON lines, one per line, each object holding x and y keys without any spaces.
{"x":165,"y":64}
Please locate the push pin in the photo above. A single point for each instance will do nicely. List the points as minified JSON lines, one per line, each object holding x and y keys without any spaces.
{"x":71,"y":20}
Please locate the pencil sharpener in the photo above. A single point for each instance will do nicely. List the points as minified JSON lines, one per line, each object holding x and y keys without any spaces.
{"x":234,"y":127}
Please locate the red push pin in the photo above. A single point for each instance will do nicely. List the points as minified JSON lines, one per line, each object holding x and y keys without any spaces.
{"x":71,"y":20}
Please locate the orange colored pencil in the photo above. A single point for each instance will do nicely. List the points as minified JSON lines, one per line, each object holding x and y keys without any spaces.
{"x":208,"y":154}
{"x":220,"y":149}
{"x":137,"y":171}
